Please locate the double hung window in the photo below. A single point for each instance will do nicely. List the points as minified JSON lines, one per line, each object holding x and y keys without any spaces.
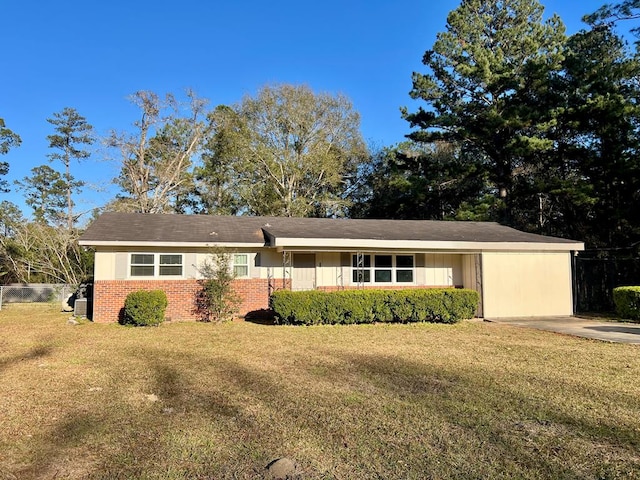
{"x":241,"y":265}
{"x":156,"y":265}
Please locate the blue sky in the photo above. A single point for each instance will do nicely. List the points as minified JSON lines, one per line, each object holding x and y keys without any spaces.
{"x":92,"y":55}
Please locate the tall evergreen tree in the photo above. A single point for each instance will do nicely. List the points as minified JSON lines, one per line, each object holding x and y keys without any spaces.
{"x":215,"y":189}
{"x":412,"y":181}
{"x":46,"y":193}
{"x":600,"y":143}
{"x":8,"y":140}
{"x":73,"y":133}
{"x":490,"y":53}
{"x":611,"y":13}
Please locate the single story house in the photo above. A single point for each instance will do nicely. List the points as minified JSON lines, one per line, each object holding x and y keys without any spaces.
{"x":516,"y":273}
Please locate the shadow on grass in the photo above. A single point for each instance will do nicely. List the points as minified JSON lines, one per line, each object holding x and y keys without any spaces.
{"x":264,"y":316}
{"x":53,"y":447}
{"x":501,"y":424}
{"x":379,"y":417}
{"x":35,"y":353}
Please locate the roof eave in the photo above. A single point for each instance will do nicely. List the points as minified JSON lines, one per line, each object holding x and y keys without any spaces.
{"x":128,"y":243}
{"x":471,"y":246}
{"x":342,"y":244}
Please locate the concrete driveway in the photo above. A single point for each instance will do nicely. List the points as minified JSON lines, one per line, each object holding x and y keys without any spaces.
{"x":579,"y":327}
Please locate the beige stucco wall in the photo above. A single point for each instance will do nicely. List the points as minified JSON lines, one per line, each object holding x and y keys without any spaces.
{"x":526,"y":284}
{"x":104,"y":266}
{"x":270,"y":264}
{"x":111,"y":264}
{"x":436,"y":270}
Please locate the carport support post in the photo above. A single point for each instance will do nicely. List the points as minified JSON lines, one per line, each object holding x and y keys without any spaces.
{"x":479,"y":287}
{"x":1,"y":296}
{"x":360,"y":269}
{"x":574,"y":282}
{"x":286,"y":270}
{"x":270,"y":281}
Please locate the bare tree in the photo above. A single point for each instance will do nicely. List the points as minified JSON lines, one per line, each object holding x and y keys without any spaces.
{"x":156,"y":159}
{"x":46,"y":253}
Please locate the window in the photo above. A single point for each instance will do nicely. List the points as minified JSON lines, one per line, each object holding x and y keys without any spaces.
{"x":241,"y":265}
{"x":404,"y":268}
{"x":142,"y":265}
{"x":361,"y":268}
{"x":147,"y":264}
{"x":383,"y":264}
{"x":386,"y":268}
{"x":170,"y":265}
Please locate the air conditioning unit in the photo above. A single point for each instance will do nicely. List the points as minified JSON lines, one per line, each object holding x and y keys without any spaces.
{"x":80,"y":307}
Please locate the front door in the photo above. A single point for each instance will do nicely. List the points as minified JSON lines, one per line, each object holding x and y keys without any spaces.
{"x":304,"y":271}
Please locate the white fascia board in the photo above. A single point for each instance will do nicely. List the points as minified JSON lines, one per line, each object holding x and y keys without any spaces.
{"x":107,"y":243}
{"x":418,"y":245}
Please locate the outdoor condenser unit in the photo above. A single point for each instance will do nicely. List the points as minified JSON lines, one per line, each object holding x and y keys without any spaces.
{"x":80,"y":307}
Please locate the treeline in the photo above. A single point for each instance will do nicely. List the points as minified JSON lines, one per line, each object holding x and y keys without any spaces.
{"x":518,"y":123}
{"x":523,"y":125}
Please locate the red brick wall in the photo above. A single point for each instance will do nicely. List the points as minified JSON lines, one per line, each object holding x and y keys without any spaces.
{"x":109,"y":296}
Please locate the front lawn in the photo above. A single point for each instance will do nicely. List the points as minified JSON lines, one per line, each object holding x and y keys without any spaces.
{"x":207,"y":401}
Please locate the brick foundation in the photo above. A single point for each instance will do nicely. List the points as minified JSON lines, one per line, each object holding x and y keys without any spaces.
{"x":109,"y":296}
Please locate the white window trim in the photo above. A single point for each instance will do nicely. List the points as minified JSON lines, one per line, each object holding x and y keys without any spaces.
{"x":372,"y":269}
{"x":234,"y":265}
{"x":156,"y":266}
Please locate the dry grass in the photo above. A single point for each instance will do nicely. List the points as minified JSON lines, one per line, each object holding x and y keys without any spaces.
{"x":202,"y":401}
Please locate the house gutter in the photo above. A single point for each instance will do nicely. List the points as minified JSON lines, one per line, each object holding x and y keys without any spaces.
{"x":337,"y":244}
{"x":111,"y":243}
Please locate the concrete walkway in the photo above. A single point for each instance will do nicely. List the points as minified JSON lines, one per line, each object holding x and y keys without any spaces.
{"x":580,"y":327}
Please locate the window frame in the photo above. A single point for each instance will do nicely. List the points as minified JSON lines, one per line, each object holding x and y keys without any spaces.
{"x":133,"y":265}
{"x":156,"y":265}
{"x":247,"y":264}
{"x":372,"y":270}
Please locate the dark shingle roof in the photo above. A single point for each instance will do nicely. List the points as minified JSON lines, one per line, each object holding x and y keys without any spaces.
{"x":168,"y":228}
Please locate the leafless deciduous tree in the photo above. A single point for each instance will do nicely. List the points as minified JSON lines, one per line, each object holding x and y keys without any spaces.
{"x":36,"y":251}
{"x":156,"y":159}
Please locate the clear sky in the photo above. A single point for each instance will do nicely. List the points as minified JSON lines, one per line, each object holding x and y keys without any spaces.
{"x":91,"y":55}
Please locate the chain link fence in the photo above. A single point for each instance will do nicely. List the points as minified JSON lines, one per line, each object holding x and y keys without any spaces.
{"x":37,"y":293}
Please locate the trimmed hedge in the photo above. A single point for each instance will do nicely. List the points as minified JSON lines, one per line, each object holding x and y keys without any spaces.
{"x":442,"y":305}
{"x":144,"y":308}
{"x":627,"y":302}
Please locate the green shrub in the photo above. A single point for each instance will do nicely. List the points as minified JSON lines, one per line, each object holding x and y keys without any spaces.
{"x":627,"y":302}
{"x":144,"y":308}
{"x":217,"y":301}
{"x":446,"y":305}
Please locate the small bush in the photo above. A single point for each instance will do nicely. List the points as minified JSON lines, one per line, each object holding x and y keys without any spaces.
{"x":145,"y":308}
{"x":216,"y":301}
{"x":368,"y":306}
{"x":627,"y":302}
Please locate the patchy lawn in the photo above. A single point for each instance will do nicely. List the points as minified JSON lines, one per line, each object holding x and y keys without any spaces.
{"x":203,"y":401}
